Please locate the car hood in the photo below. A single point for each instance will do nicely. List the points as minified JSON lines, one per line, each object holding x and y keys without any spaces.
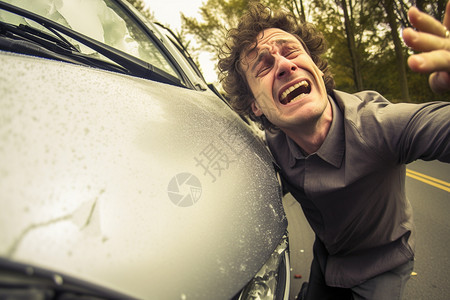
{"x":151,"y":190}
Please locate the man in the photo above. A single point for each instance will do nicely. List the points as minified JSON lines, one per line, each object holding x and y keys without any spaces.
{"x":341,"y":156}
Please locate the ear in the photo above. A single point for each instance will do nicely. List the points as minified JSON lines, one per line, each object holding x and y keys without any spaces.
{"x":256,"y":110}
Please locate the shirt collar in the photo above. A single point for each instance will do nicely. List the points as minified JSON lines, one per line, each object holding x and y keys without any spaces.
{"x":333,"y":147}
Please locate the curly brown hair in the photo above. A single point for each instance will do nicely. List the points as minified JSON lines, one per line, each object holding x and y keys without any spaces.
{"x":244,"y":38}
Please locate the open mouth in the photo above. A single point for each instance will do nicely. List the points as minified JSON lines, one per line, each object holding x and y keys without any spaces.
{"x":295,"y":92}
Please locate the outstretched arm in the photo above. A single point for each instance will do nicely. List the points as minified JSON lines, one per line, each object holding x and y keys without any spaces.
{"x":433,"y":41}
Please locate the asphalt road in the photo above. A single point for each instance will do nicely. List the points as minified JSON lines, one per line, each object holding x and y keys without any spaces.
{"x":428,"y":189}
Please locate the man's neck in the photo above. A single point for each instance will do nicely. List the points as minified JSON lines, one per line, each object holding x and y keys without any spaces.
{"x":310,"y":137}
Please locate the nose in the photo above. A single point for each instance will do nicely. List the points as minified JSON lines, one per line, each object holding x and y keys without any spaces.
{"x":285,"y":67}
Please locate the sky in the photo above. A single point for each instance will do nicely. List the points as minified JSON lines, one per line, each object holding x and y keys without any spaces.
{"x":168,"y":12}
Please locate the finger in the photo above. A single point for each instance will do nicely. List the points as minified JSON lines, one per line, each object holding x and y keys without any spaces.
{"x":439,"y":82}
{"x":420,"y":41}
{"x":425,"y":23}
{"x":427,"y":62}
{"x":447,"y":16}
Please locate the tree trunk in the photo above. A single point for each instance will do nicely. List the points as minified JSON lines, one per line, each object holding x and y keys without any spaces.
{"x":357,"y":76}
{"x":389,"y":7}
{"x":301,"y":10}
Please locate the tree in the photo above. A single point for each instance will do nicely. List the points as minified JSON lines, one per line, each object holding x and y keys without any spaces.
{"x":140,"y":5}
{"x":218,"y":16}
{"x":365,"y":49}
{"x":343,"y":34}
{"x":433,"y":7}
{"x":350,"y":34}
{"x":296,"y":7}
{"x":401,"y":62}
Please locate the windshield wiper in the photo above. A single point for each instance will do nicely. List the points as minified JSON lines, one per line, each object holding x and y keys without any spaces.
{"x":38,"y":36}
{"x":32,"y":41}
{"x":132,"y":64}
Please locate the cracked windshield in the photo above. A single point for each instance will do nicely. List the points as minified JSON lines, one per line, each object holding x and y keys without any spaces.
{"x":102,"y":20}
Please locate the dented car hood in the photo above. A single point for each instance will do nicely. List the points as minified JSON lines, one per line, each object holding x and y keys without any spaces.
{"x":147,"y":189}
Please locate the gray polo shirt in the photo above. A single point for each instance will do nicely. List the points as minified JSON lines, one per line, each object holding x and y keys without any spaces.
{"x":352,"y":190}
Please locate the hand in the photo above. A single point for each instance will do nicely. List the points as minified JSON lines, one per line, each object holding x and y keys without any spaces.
{"x":430,"y":39}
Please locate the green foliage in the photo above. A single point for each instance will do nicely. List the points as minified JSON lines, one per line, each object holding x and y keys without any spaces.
{"x":218,"y":16}
{"x":435,"y":8}
{"x":374,"y":47}
{"x":140,"y":5}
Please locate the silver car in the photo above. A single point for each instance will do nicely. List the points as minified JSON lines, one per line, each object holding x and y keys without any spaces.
{"x":122,"y":174}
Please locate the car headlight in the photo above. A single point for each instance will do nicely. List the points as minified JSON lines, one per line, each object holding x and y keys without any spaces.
{"x":273,"y":279}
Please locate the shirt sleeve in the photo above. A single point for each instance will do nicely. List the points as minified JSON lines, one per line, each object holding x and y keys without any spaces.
{"x":405,"y":132}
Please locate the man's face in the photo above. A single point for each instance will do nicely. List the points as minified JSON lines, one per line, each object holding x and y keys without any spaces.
{"x":287,"y":85}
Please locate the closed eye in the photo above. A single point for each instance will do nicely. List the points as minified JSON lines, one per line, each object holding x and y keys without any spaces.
{"x":265,"y":65}
{"x":291,"y":54}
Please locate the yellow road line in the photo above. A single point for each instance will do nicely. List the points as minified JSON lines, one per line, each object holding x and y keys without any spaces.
{"x":443,"y":185}
{"x":429,"y":177}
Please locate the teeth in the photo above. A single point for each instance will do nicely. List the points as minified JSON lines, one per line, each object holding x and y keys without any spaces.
{"x":301,"y":96}
{"x":289,"y":90}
